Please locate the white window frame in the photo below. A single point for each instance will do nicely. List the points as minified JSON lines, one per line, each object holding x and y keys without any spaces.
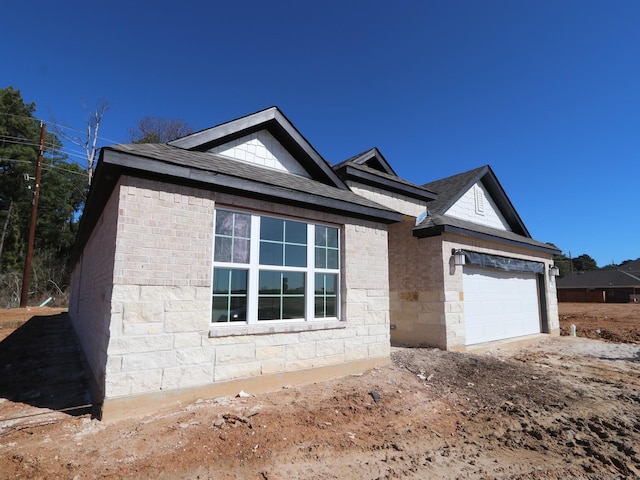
{"x":254,"y":268}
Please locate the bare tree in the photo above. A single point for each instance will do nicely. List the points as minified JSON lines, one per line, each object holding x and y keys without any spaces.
{"x":158,"y":130}
{"x":88,"y":143}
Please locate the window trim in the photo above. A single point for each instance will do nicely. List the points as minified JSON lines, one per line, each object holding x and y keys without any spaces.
{"x":254,"y":326}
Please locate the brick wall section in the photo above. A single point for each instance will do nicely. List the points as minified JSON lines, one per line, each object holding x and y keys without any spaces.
{"x":160,"y":304}
{"x":91,"y":291}
{"x":416,"y":288}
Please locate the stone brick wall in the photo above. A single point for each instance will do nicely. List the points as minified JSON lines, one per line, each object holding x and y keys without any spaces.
{"x":160,"y":337}
{"x":426,"y":289}
{"x":416,"y":288}
{"x":91,"y":290}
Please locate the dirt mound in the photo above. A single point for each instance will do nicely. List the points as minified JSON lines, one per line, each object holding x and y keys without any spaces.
{"x":566,"y":408}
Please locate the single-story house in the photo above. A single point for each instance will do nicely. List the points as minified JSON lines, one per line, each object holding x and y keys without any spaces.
{"x":620,"y":284}
{"x":236,"y":258}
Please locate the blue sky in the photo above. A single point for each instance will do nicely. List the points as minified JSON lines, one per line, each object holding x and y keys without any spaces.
{"x":547,"y":92}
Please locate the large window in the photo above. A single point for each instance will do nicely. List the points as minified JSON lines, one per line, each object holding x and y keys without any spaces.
{"x":274,"y":269}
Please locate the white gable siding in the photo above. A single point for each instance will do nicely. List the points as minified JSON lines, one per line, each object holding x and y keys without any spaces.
{"x":399,"y":203}
{"x":261,"y":148}
{"x":477,"y":206}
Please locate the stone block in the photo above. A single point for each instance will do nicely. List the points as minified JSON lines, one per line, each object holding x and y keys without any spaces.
{"x":139,"y":344}
{"x":161,"y":294}
{"x":230,"y":354}
{"x":142,"y":328}
{"x":186,"y":376}
{"x":273,"y":366}
{"x":136,"y":312}
{"x":125,"y":293}
{"x":271,"y":352}
{"x":148,"y":361}
{"x":237,"y":370}
{"x":131,"y":383}
{"x":277,"y":339}
{"x":300,"y":351}
{"x":188,"y":339}
{"x":356,"y":352}
{"x":195,"y":355}
{"x":325,"y":348}
{"x":186,"y":321}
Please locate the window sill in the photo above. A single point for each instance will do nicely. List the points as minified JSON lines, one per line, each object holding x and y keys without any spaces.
{"x":238,"y":330}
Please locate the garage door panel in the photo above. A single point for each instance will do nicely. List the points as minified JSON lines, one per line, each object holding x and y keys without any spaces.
{"x":499,"y":305}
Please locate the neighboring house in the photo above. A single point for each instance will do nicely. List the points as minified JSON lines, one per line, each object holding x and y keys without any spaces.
{"x":620,"y":284}
{"x":236,"y":258}
{"x":504,"y":289}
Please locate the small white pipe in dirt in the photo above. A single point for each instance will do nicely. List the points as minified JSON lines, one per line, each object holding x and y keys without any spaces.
{"x":46,"y":301}
{"x":573,"y":330}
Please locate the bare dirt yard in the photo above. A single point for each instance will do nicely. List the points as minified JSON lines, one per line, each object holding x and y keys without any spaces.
{"x":563,"y":408}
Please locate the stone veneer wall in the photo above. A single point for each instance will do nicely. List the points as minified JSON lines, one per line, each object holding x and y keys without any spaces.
{"x":453,"y":284}
{"x":91,"y":289}
{"x":416,"y":288}
{"x":160,"y":336}
{"x":426,"y":289}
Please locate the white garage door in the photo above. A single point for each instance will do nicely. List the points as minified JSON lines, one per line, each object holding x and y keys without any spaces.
{"x":499,"y":304}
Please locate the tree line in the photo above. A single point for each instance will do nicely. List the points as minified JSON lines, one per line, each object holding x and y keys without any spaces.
{"x":63,"y":191}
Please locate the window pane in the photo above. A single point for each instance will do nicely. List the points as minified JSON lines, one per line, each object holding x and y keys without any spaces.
{"x":271,"y":229}
{"x":270,"y":283}
{"x":224,"y":223}
{"x":295,"y":256}
{"x":296,"y":232}
{"x":241,"y":250}
{"x":242,"y":227}
{"x":238,"y":282}
{"x":332,"y":237}
{"x":332,"y":258}
{"x":321,"y":258}
{"x":293,"y":307}
{"x":269,"y":308}
{"x":326,"y":284}
{"x":238,"y":310}
{"x":321,"y":236}
{"x":221,"y":280}
{"x":220,"y":309}
{"x":293,"y":282}
{"x":222,"y":249}
{"x":331,"y":309}
{"x":271,"y":253}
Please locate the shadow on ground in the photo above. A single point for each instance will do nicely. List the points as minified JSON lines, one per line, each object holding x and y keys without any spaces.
{"x":41,"y":366}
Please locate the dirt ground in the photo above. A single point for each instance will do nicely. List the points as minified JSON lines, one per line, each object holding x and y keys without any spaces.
{"x":567,"y":407}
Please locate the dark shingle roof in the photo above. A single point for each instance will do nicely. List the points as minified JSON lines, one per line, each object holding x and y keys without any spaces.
{"x":371,"y":168}
{"x":437,"y":224}
{"x":252,"y":177}
{"x":449,"y":189}
{"x":452,"y":188}
{"x":600,"y":279}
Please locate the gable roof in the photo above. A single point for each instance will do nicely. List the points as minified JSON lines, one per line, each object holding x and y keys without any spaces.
{"x":371,"y":168}
{"x":450,"y":190}
{"x":172,"y":164}
{"x":274,"y":121}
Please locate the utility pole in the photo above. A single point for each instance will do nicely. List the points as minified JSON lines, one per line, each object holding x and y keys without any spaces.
{"x":26,"y":276}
